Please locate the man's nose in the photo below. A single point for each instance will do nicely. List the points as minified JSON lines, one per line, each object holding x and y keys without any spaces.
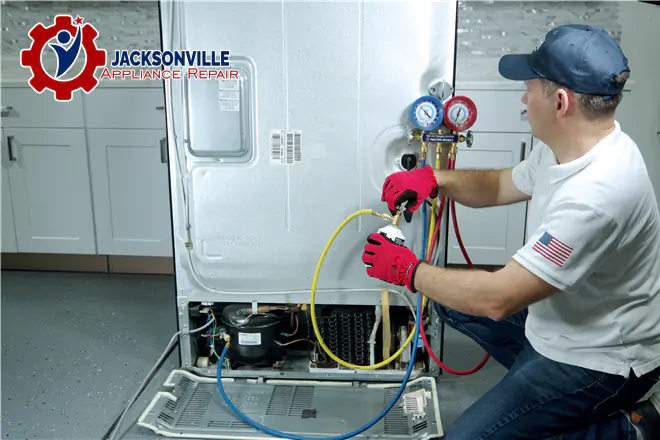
{"x":524,"y":99}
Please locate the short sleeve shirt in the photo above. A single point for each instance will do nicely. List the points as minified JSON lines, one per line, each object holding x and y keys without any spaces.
{"x":593,"y":232}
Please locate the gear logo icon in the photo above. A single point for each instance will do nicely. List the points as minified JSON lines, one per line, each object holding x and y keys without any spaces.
{"x":72,"y":37}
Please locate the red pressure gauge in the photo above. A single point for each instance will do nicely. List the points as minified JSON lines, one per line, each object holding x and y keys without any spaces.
{"x":460,"y":113}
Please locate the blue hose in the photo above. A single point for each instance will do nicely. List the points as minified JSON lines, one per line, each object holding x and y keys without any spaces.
{"x":418,"y":320}
{"x":423,"y":206}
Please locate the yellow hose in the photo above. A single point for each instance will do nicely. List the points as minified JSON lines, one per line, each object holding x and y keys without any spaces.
{"x":313,"y":308}
{"x":429,"y":236}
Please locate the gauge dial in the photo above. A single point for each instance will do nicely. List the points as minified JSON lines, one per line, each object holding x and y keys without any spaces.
{"x":460,"y":114}
{"x":427,"y":113}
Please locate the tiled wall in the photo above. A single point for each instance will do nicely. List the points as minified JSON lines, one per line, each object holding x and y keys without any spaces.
{"x":121,"y":25}
{"x":486,"y":29}
{"x":489,"y":29}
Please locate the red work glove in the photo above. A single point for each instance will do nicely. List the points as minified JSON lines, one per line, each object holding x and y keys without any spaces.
{"x":390,"y":262}
{"x":414,"y":186}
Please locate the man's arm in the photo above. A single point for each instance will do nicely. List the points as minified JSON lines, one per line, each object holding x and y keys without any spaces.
{"x":480,"y":293}
{"x":479,"y":188}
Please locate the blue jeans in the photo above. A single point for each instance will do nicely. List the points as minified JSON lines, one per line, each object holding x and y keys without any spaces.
{"x":540,"y":398}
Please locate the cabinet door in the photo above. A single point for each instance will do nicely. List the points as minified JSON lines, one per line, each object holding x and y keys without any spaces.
{"x":8,"y":229}
{"x":50,"y":191}
{"x":491,"y":235}
{"x":131,"y":192}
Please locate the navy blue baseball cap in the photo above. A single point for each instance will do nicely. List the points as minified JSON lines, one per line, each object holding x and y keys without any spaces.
{"x":582,"y":58}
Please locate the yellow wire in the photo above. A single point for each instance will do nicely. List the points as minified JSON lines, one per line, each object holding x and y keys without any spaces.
{"x":313,"y":309}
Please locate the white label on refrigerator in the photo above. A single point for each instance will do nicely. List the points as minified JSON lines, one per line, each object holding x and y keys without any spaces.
{"x":249,"y":338}
{"x":229,"y":95}
{"x":285,"y":147}
{"x":229,"y":105}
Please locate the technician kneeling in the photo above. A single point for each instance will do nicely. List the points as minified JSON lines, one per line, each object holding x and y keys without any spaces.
{"x":575,"y":315}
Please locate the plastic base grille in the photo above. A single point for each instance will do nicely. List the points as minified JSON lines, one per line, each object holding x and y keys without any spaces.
{"x":194,"y":409}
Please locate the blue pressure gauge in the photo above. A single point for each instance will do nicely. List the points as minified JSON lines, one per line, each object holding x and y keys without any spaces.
{"x":427,"y":113}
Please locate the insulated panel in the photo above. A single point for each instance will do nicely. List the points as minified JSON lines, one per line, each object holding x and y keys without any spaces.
{"x":333,"y":86}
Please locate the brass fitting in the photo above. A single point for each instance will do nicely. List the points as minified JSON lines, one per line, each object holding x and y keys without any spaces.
{"x":227,"y":339}
{"x":394,"y":218}
{"x":424,"y":150}
{"x":453,"y":151}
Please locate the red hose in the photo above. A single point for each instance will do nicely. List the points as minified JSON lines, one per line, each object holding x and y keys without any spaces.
{"x":422,"y":331}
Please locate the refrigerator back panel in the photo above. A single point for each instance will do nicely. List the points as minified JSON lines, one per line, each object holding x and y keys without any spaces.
{"x":265,"y":168}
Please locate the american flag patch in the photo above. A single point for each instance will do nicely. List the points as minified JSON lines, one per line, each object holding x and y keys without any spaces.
{"x":552,"y":249}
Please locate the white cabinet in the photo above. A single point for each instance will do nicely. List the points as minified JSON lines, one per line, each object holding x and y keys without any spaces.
{"x":131,"y":192}
{"x":50,"y":190}
{"x":491,"y":235}
{"x":8,"y":229}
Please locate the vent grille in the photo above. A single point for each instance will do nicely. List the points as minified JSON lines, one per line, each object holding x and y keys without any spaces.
{"x":302,"y":408}
{"x":288,"y":400}
{"x":395,"y":422}
{"x":196,"y":407}
{"x":226,"y":424}
{"x":168,"y":419}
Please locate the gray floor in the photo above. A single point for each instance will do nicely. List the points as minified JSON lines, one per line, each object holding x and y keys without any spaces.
{"x":76,"y":346}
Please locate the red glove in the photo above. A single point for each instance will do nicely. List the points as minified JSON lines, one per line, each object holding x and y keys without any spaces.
{"x":390,"y":262}
{"x":415,"y":186}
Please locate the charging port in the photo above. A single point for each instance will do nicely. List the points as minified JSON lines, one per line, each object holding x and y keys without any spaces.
{"x":408,"y":161}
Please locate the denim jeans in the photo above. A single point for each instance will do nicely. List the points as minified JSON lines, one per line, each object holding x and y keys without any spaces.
{"x":540,"y":398}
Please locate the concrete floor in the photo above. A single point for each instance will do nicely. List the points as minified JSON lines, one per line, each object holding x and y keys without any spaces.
{"x":76,"y":346}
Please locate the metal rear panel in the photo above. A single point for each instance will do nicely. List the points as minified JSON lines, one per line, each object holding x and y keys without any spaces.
{"x":342,"y":75}
{"x":191,"y":407}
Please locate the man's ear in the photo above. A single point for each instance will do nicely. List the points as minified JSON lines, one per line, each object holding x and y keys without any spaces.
{"x":564,"y":102}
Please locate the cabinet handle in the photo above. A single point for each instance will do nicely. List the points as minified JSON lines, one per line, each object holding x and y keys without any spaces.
{"x":160,"y":107}
{"x":163,"y":150}
{"x":10,"y":148}
{"x":523,"y":146}
{"x":5,"y":110}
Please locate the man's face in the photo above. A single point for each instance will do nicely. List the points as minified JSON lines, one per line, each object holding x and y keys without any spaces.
{"x":540,"y":111}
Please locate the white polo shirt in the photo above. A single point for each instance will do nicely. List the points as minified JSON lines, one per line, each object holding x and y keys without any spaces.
{"x":594,"y":234}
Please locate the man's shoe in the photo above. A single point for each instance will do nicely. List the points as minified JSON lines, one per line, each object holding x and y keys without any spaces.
{"x":645,"y":417}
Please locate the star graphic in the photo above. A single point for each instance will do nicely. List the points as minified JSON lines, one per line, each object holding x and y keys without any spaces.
{"x":78,"y":20}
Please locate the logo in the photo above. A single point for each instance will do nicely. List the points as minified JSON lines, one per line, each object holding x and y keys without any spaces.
{"x":71,"y":38}
{"x":67,"y":38}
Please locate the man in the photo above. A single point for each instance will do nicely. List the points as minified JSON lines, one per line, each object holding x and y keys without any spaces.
{"x":575,"y":315}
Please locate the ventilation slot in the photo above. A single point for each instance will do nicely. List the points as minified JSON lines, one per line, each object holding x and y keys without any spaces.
{"x":226,"y":424}
{"x":420,"y":427}
{"x":288,"y":400}
{"x":395,"y":422}
{"x":196,"y":407}
{"x":168,"y":419}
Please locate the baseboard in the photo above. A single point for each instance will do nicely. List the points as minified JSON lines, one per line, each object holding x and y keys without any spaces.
{"x":87,"y":263}
{"x":131,"y":264}
{"x":55,"y":262}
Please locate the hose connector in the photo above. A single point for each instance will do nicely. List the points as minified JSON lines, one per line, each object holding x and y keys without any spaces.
{"x":393,"y":218}
{"x":424,"y":150}
{"x":453,"y":151}
{"x":227,"y":339}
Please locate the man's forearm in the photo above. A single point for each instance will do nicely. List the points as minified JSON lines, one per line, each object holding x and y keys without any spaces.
{"x":468,"y":291}
{"x":473,"y":188}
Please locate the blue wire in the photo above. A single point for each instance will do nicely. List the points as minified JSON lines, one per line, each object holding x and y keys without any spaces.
{"x":418,"y":320}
